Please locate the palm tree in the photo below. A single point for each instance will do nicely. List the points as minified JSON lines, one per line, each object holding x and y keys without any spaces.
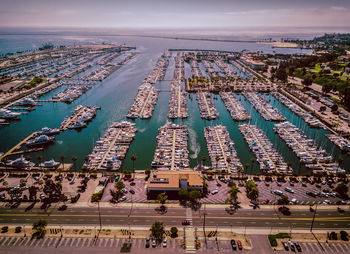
{"x":203,"y":161}
{"x":228,"y":159}
{"x":4,"y":160}
{"x":74,"y":159}
{"x":217,"y":158}
{"x":253,"y":160}
{"x":133,"y":158}
{"x":62,"y":160}
{"x":246,"y":167}
{"x":39,"y":157}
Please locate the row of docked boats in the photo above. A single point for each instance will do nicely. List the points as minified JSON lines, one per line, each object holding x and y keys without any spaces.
{"x":223,"y":155}
{"x":225,"y":69}
{"x":110,"y":150}
{"x":80,"y":117}
{"x":24,"y":164}
{"x":144,"y":102}
{"x":206,"y":106}
{"x":209,"y":68}
{"x":339,"y":141}
{"x":233,"y":105}
{"x":307,"y":116}
{"x":171,"y":152}
{"x":179,"y":72}
{"x":196,"y":72}
{"x":269,"y":159}
{"x":265,"y":109}
{"x":308,"y":152}
{"x":70,"y":94}
{"x":178,"y":101}
{"x":101,"y":73}
{"x":159,"y":70}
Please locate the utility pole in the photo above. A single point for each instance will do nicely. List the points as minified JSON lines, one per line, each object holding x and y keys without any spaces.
{"x":205,"y":235}
{"x":313,"y":219}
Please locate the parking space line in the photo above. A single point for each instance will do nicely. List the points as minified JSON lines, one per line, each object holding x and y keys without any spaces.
{"x":341,"y":246}
{"x":4,"y":243}
{"x":116,"y":243}
{"x":28,"y":240}
{"x":32,"y":242}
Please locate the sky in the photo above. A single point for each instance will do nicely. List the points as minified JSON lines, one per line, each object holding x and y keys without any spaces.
{"x":174,"y":13}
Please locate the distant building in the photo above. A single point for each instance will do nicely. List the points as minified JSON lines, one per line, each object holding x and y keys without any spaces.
{"x":255,"y":64}
{"x":171,"y":182}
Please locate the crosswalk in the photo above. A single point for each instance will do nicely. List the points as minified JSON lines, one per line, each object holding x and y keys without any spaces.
{"x":74,"y":242}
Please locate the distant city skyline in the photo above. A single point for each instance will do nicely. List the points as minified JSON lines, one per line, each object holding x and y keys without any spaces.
{"x":174,"y":14}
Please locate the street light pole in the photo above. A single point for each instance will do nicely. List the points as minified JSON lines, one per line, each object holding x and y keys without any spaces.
{"x":205,"y":235}
{"x":313,"y":219}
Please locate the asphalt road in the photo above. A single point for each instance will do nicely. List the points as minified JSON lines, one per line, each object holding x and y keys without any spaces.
{"x":136,"y":216}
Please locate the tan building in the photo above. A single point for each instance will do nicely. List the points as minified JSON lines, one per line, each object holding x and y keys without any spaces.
{"x":171,"y":182}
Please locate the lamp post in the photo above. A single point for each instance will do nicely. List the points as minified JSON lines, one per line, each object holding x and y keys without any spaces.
{"x":205,"y":235}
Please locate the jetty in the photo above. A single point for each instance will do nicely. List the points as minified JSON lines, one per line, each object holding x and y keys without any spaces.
{"x":308,"y":152}
{"x":18,"y":146}
{"x":266,"y":155}
{"x":80,"y":116}
{"x":236,"y":109}
{"x":110,"y":150}
{"x":221,"y":149}
{"x":265,"y":109}
{"x":206,"y":106}
{"x":171,"y":152}
{"x":144,"y":102}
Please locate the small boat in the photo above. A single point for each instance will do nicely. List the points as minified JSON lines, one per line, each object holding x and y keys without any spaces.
{"x":77,"y":125}
{"x":50,"y":164}
{"x":48,"y":131}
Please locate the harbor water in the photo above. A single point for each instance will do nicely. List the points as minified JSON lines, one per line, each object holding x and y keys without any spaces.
{"x":115,"y":96}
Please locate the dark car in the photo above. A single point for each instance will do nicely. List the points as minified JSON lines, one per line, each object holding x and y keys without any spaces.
{"x":132,"y":192}
{"x":291,"y":245}
{"x":131,"y":179}
{"x":132,"y":184}
{"x":297,"y":245}
{"x":239,"y":244}
{"x":186,"y":222}
{"x":285,"y":246}
{"x":284,"y":210}
{"x":310,"y":193}
{"x":233,"y":244}
{"x":147,"y":242}
{"x":117,"y":177}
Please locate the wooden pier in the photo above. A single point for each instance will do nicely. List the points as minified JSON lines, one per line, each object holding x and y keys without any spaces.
{"x":72,"y":119}
{"x":11,"y":151}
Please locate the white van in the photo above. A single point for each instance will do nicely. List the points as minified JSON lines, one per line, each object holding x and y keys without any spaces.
{"x":278,"y":192}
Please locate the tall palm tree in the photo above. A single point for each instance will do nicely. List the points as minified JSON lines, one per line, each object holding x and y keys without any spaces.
{"x":228,"y":159}
{"x":203,"y":161}
{"x":253,"y":160}
{"x":217,"y":158}
{"x":74,"y":159}
{"x":246,"y":167}
{"x":133,"y":158}
{"x":62,"y":160}
{"x":39,"y":158}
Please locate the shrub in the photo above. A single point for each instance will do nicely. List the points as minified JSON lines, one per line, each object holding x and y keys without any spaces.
{"x":4,"y":229}
{"x":125,"y":248}
{"x":18,"y":229}
{"x":272,"y":238}
{"x":97,"y":196}
{"x":344,"y":236}
{"x":173,"y":232}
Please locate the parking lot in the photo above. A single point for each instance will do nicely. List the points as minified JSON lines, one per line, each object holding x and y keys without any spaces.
{"x":323,"y":248}
{"x":220,"y":196}
{"x":266,"y":191}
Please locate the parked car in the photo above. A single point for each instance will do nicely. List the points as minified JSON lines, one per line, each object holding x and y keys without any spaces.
{"x":289,"y":190}
{"x":125,"y":178}
{"x":239,"y":245}
{"x":310,"y":193}
{"x":132,"y":192}
{"x":117,"y":177}
{"x":154,"y":242}
{"x":164,"y":242}
{"x":125,"y":190}
{"x":278,"y":192}
{"x":147,"y":242}
{"x":213,"y":192}
{"x":132,"y":184}
{"x":186,"y":222}
{"x":233,"y":244}
{"x":297,"y":245}
{"x":291,"y":246}
{"x":131,"y":179}
{"x":293,"y":201}
{"x":123,"y":198}
{"x":285,"y":246}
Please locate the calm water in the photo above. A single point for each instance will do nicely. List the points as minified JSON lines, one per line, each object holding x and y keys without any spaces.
{"x":115,"y":96}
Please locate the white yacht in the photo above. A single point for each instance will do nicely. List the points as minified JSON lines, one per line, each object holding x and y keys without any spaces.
{"x":50,"y":164}
{"x":7,"y":114}
{"x":26,"y":102}
{"x":41,"y":140}
{"x":21,"y":162}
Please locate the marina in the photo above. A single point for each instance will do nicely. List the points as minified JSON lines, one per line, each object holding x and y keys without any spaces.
{"x":177,"y":102}
{"x":307,"y":116}
{"x":69,"y":95}
{"x":314,"y":158}
{"x":236,"y":109}
{"x":263,"y":107}
{"x":223,"y":155}
{"x":206,"y":106}
{"x":269,"y":159}
{"x":110,"y":150}
{"x":339,"y":141}
{"x":171,"y":152}
{"x":144,"y":102}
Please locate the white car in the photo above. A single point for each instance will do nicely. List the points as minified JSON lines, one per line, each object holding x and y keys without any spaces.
{"x":123,"y":198}
{"x":326,"y":202}
{"x":164,"y":242}
{"x":293,"y":201}
{"x":213,"y":192}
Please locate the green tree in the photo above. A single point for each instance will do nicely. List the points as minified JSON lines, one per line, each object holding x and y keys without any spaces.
{"x":342,"y":189}
{"x":62,"y":160}
{"x":252,"y":190}
{"x":162,"y":198}
{"x":281,"y":74}
{"x":173,"y":231}
{"x":307,"y":81}
{"x":157,"y":230}
{"x":283,"y":200}
{"x":119,"y":186}
{"x":194,"y":195}
{"x":40,"y":228}
{"x":183,"y":194}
